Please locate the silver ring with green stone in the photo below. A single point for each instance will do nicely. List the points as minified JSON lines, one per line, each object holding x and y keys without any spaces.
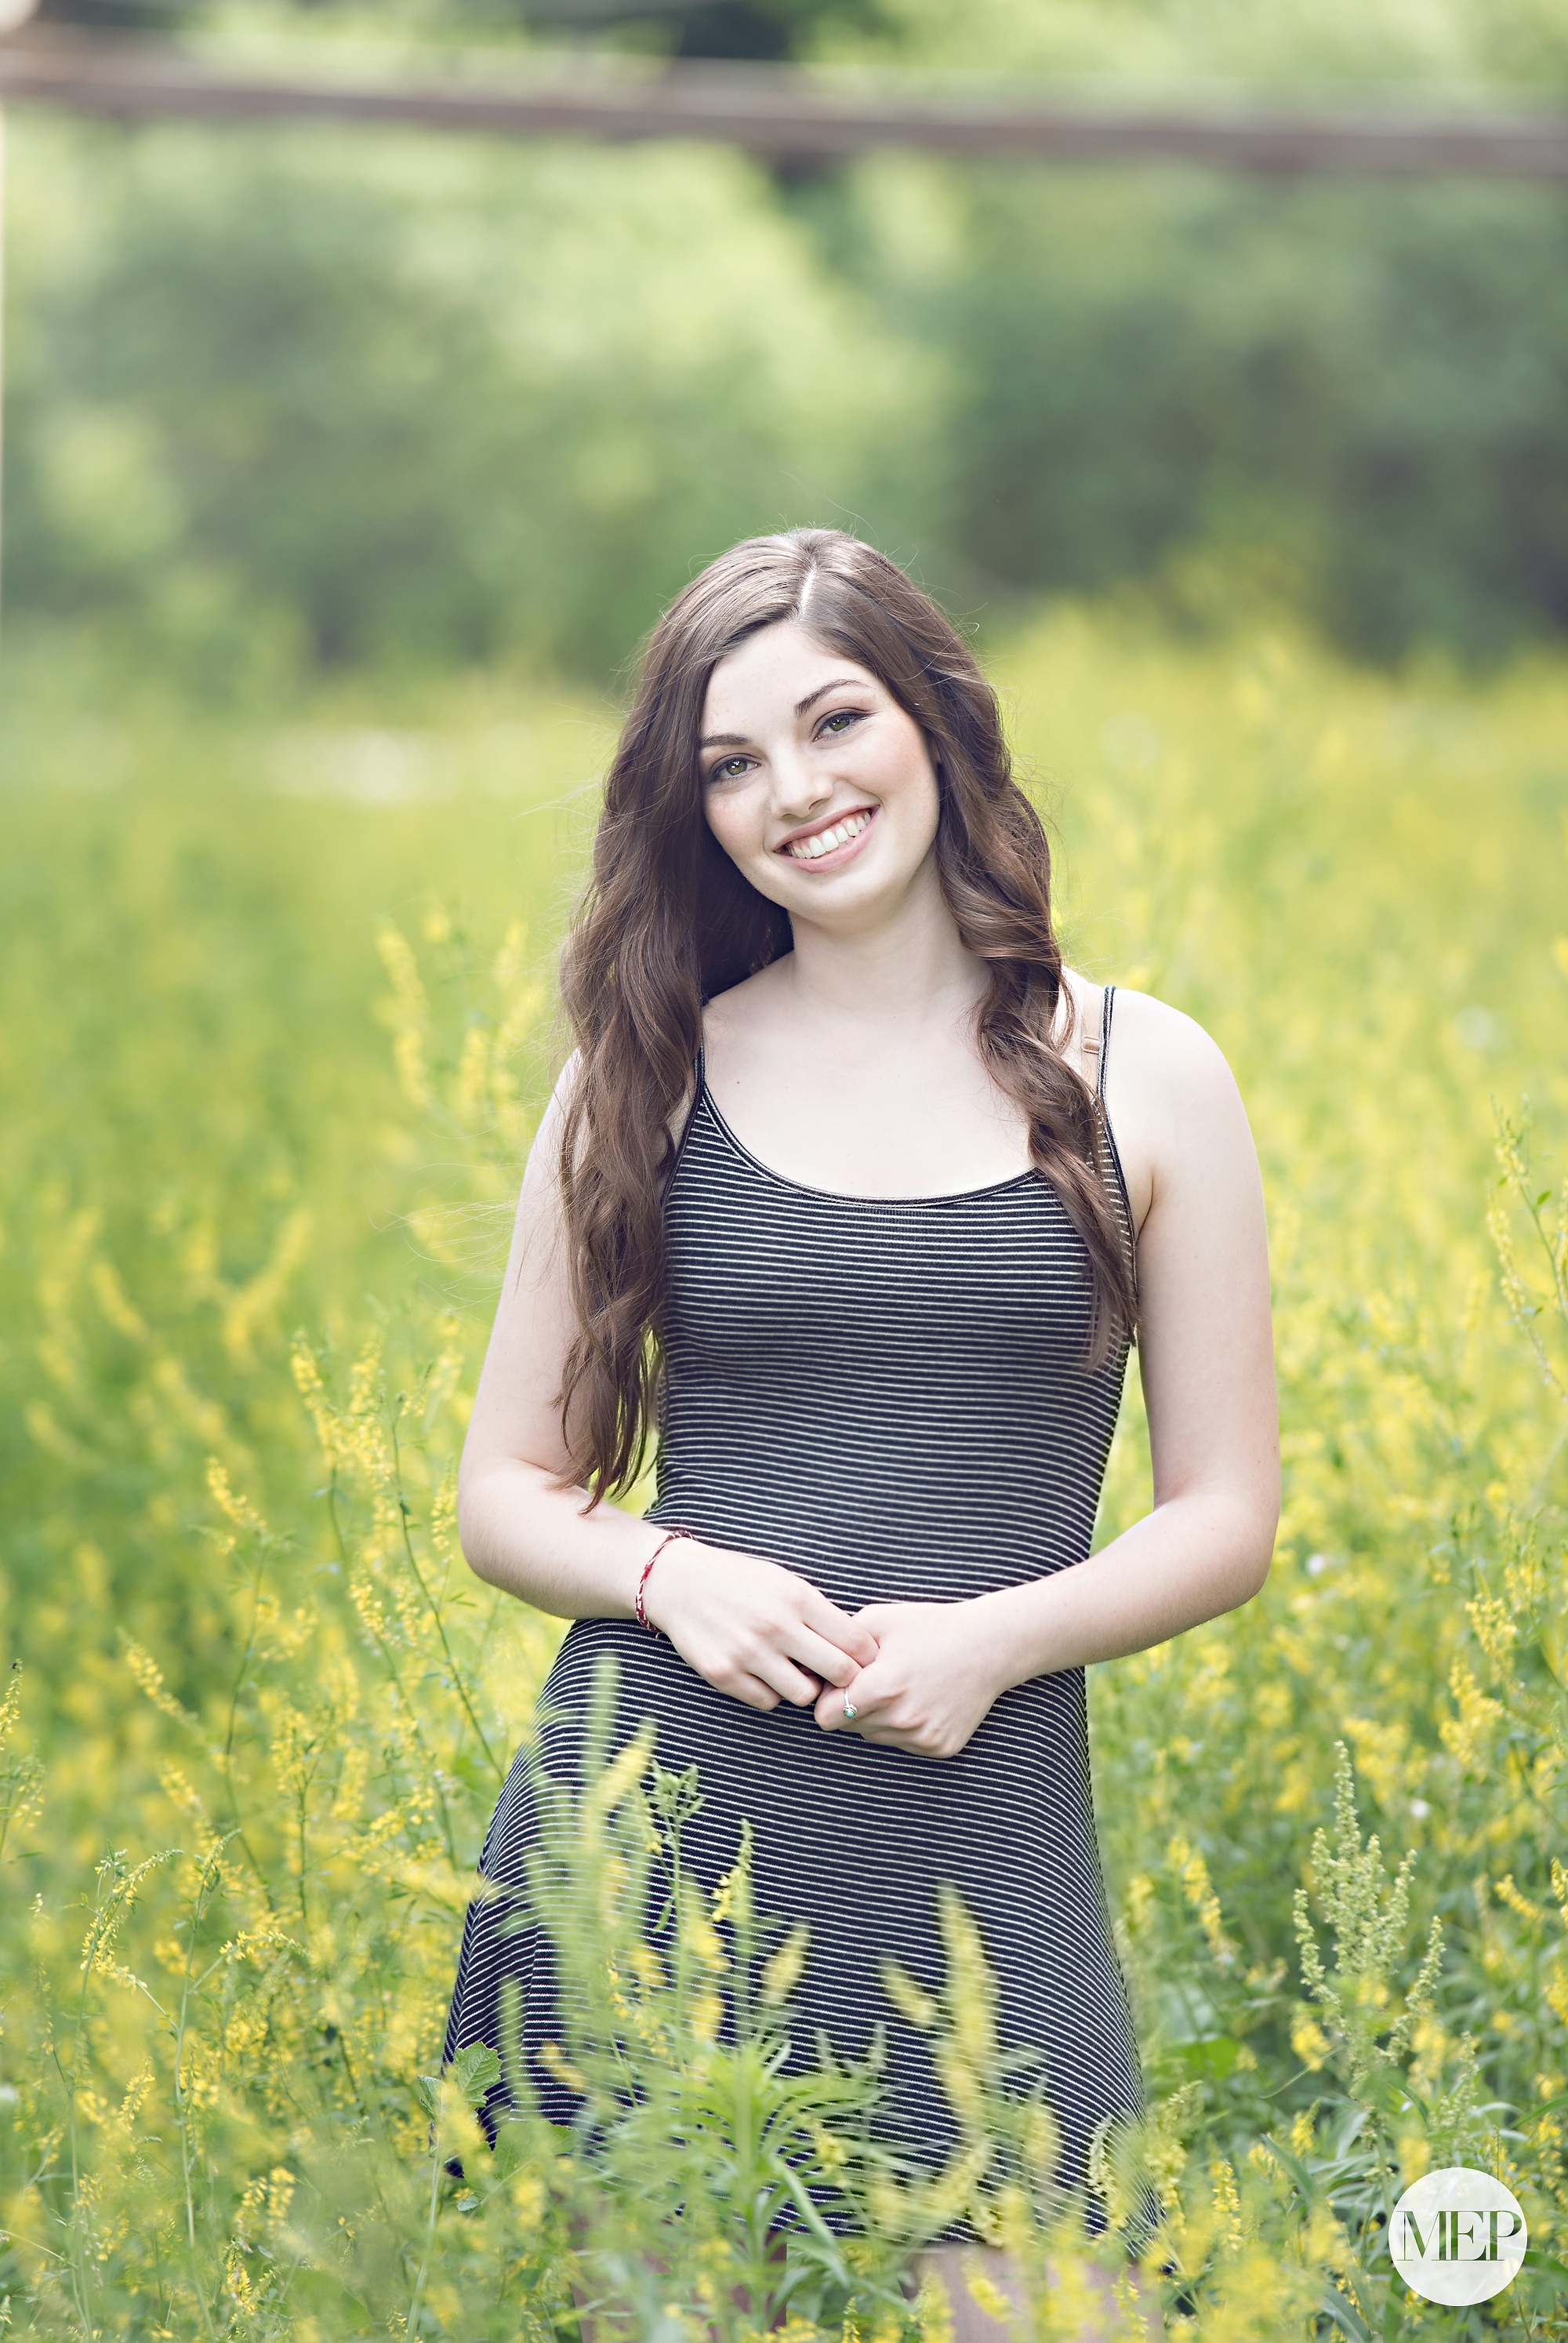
{"x":850,"y":1711}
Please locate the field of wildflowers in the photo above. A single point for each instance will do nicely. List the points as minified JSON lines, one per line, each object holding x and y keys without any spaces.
{"x":273,"y":1030}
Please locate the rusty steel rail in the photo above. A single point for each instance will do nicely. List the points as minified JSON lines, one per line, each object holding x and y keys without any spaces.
{"x":776,"y":111}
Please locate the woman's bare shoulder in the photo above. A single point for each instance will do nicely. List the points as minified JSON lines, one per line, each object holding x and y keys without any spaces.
{"x":546,"y":1142}
{"x":1165,"y":1053}
{"x":1169,"y":1095}
{"x":541,"y":1179}
{"x":1141,"y":1026}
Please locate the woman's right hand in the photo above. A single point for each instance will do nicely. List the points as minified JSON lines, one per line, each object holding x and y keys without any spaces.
{"x":752,"y":1628}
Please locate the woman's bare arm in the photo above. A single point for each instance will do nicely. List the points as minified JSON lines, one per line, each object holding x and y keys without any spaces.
{"x":520,"y":1528}
{"x":1206,"y":1352}
{"x":752,"y":1627}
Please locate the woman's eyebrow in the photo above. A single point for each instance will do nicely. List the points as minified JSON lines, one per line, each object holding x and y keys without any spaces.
{"x":739,"y":740}
{"x":854,"y":682}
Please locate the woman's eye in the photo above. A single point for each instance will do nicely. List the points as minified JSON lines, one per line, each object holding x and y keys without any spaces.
{"x":840,"y":720}
{"x":730,"y":770}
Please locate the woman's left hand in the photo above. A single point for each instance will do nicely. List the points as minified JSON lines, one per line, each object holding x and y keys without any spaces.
{"x":937,"y":1669}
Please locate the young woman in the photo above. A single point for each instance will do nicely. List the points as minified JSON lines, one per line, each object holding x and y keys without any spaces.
{"x":891,"y":1190}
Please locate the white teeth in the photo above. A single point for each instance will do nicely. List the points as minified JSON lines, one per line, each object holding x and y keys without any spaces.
{"x":826,"y":841}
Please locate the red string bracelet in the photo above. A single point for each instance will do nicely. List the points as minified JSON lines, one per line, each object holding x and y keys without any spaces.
{"x":669,"y":1538}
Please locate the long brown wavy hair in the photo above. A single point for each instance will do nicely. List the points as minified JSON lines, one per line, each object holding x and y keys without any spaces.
{"x":669,"y":922}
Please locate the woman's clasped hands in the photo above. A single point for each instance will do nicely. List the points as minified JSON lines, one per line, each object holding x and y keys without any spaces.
{"x":753,"y":1628}
{"x":938,"y":1668}
{"x":919,"y":1676}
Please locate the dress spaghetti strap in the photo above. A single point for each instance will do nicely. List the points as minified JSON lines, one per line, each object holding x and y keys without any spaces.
{"x":1116,"y":1176}
{"x":1108,"y":995}
{"x":699,"y":1092}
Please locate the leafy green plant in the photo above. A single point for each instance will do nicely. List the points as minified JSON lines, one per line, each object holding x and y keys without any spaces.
{"x":255,"y":1659}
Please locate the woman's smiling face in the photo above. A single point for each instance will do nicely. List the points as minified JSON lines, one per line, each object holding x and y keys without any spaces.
{"x":818,"y":786}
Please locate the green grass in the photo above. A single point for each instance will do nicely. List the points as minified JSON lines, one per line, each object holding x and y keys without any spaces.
{"x":238,"y":1106}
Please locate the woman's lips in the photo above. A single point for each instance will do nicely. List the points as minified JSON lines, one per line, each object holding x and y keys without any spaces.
{"x":834,"y":844}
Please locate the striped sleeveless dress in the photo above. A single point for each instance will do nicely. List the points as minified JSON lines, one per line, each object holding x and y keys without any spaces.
{"x":887,"y":1396}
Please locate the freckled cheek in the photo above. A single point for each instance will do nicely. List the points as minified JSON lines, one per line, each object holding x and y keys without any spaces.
{"x":902,"y":778}
{"x":911,"y":808}
{"x":739,"y":832}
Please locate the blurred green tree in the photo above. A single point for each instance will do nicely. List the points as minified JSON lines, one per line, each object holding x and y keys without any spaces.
{"x":751,"y":31}
{"x":388,"y":398}
{"x":756,"y":31}
{"x":433,"y":404}
{"x":1361,"y":391}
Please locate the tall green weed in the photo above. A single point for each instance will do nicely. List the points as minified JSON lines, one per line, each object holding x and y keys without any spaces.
{"x":265,"y":1710}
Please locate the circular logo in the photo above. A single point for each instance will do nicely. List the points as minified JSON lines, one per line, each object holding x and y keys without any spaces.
{"x":1457,"y":2236}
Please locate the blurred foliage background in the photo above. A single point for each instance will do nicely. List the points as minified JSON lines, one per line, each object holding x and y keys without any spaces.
{"x":284,"y":399}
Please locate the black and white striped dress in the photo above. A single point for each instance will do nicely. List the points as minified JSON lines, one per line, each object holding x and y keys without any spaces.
{"x":889,"y":1396}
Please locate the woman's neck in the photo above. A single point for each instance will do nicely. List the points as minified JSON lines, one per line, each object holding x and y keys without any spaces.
{"x":907,"y":968}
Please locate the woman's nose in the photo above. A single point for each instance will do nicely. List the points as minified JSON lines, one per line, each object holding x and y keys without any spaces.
{"x":800,"y":787}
